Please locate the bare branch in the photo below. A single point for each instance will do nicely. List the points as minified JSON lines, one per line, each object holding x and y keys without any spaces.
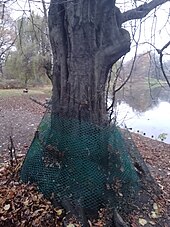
{"x":141,"y":11}
{"x":161,"y":61}
{"x":165,"y":46}
{"x":7,"y":48}
{"x":160,"y":52}
{"x":12,"y":151}
{"x":162,"y":68}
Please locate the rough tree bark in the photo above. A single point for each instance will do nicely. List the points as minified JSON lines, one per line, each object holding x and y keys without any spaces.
{"x":87,"y":39}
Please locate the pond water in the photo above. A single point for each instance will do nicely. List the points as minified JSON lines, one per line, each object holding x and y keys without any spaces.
{"x":145,"y":110}
{"x":154,"y":123}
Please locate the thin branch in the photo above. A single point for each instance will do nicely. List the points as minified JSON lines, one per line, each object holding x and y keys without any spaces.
{"x":127,"y":79}
{"x":133,"y":64}
{"x":45,"y":105}
{"x":8,"y":48}
{"x":162,"y":67}
{"x":165,"y":46}
{"x":141,"y":11}
{"x":160,"y":52}
{"x":32,"y":21}
{"x":12,"y":151}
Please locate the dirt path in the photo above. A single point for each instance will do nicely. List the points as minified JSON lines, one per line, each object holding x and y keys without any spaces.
{"x":19,"y":118}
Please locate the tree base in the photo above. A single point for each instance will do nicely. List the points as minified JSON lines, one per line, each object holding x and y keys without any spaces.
{"x":84,"y":167}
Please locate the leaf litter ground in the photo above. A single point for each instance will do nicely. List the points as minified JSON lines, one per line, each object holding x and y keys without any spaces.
{"x":22,"y":205}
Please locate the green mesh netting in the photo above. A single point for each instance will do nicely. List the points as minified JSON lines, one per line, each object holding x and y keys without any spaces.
{"x":81,"y":162}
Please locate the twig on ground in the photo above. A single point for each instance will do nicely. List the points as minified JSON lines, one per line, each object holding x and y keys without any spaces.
{"x":12,"y":151}
{"x":37,"y":102}
{"x":45,"y":105}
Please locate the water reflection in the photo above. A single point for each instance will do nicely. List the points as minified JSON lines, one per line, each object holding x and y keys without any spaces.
{"x":146,"y":112}
{"x":142,"y":98}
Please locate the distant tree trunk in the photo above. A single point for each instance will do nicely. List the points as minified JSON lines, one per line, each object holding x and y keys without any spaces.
{"x":1,"y":68}
{"x":86,"y":39}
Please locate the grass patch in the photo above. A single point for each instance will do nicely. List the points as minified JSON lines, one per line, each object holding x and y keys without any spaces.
{"x":144,"y":84}
{"x":46,"y":90}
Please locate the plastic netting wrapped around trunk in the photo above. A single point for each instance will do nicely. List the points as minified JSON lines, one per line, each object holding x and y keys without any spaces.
{"x":81,"y":162}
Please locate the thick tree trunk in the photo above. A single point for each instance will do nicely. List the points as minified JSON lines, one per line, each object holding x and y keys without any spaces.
{"x":79,"y":164}
{"x":86,"y":39}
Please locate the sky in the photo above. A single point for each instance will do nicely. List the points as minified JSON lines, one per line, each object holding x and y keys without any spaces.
{"x":155,"y":28}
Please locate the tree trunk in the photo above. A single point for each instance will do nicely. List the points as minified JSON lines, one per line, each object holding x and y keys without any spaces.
{"x":86,"y":39}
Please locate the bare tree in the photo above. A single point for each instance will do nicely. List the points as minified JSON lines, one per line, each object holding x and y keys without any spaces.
{"x":7,"y":34}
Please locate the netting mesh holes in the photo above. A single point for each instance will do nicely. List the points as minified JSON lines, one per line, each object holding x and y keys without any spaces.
{"x":80,"y":161}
